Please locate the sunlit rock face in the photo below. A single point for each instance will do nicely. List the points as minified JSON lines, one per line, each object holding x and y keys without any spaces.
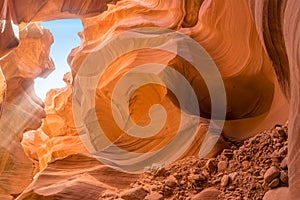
{"x":57,"y":137}
{"x":23,"y":110}
{"x":253,"y":94}
{"x":2,"y":89}
{"x":58,"y":151}
{"x":77,"y":176}
{"x":254,"y":99}
{"x":270,"y":28}
{"x":23,"y":57}
{"x":279,"y":21}
{"x":8,"y":39}
{"x":35,"y":10}
{"x":26,"y":62}
{"x":19,"y":11}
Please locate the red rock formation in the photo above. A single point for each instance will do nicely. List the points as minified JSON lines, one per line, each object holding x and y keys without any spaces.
{"x":270,"y":28}
{"x":277,"y":23}
{"x":8,"y":40}
{"x":35,"y":10}
{"x":253,"y":94}
{"x":7,"y":37}
{"x":292,"y":38}
{"x":57,"y":137}
{"x":234,"y":45}
{"x":22,"y":109}
{"x":30,"y":58}
{"x":2,"y":90}
{"x":242,"y":48}
{"x":76,"y":177}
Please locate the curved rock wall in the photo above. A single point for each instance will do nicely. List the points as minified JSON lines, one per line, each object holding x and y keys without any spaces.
{"x":253,"y":93}
{"x":23,"y":110}
{"x":242,"y":50}
{"x":57,"y":137}
{"x":22,"y":60}
{"x":277,"y":23}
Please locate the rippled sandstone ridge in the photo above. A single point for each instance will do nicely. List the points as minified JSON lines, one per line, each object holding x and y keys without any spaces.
{"x":47,"y":154}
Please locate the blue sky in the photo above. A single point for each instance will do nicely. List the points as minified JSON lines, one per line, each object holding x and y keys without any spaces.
{"x":65,"y":39}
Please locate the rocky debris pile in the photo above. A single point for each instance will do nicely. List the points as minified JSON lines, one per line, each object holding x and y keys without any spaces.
{"x":244,"y":171}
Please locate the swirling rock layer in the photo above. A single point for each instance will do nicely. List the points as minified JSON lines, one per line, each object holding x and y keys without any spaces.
{"x":281,"y":39}
{"x":22,"y":109}
{"x":24,"y":55}
{"x":76,"y":177}
{"x":255,"y":53}
{"x":253,"y":93}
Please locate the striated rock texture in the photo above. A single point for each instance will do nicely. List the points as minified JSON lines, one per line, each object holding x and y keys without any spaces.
{"x":58,"y":151}
{"x":252,"y":91}
{"x":270,"y":29}
{"x":253,"y":94}
{"x":57,"y":137}
{"x":23,"y":110}
{"x":8,"y":39}
{"x":277,"y":24}
{"x":76,"y":177}
{"x":292,"y":38}
{"x":35,"y":10}
{"x":19,"y":11}
{"x":2,"y":90}
{"x":24,"y":55}
{"x":255,"y":53}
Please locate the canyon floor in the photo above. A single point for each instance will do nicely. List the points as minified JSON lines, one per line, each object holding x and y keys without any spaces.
{"x":245,"y":171}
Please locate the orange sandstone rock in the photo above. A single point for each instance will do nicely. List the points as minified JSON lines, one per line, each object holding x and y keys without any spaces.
{"x":253,"y":94}
{"x":35,"y":10}
{"x":23,"y":110}
{"x":76,"y":177}
{"x":237,"y":42}
{"x":57,"y":137}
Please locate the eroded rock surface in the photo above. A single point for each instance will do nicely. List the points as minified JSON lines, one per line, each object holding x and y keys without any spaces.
{"x":78,"y":177}
{"x":253,"y":93}
{"x":253,"y":68}
{"x":22,"y":110}
{"x":34,"y":10}
{"x":278,"y":21}
{"x":24,"y":55}
{"x":252,"y":166}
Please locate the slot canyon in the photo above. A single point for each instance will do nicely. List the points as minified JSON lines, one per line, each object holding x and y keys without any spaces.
{"x":163,"y":99}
